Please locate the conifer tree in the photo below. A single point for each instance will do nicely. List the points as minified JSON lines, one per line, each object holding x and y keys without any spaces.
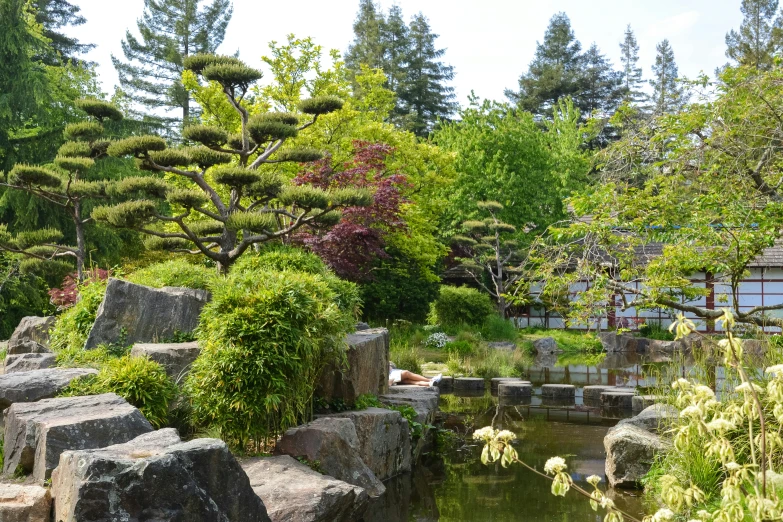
{"x":631,"y":72}
{"x":554,"y":72}
{"x":760,"y":35}
{"x":668,"y":96}
{"x":368,"y":47}
{"x":601,"y":86}
{"x":222,"y":203}
{"x":66,"y":185}
{"x":491,"y":250}
{"x":54,"y":15}
{"x":171,"y":30}
{"x":425,"y":94}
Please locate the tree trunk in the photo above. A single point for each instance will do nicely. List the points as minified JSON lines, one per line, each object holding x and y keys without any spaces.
{"x":81,"y":243}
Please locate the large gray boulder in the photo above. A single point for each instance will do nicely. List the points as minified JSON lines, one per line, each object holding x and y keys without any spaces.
{"x":25,"y":362}
{"x":133,"y":313}
{"x":28,"y":347}
{"x":292,"y":492}
{"x":546,"y":345}
{"x":613,"y":343}
{"x":35,"y":385}
{"x":24,"y":503}
{"x":384,"y":440}
{"x":655,"y":419}
{"x":155,"y":477}
{"x":36,"y":433}
{"x":630,"y":451}
{"x":367,"y":371}
{"x":333,"y":443}
{"x":31,"y":329}
{"x":176,"y":358}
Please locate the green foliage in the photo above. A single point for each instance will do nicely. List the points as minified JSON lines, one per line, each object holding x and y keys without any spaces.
{"x":655,"y":331}
{"x":461,"y":348}
{"x":73,"y":164}
{"x":171,"y":158}
{"x":406,"y":358}
{"x":352,"y":197}
{"x":409,"y":414}
{"x":128,"y":214}
{"x":140,"y":381}
{"x":570,"y":341}
{"x":176,"y":272}
{"x":497,"y":328}
{"x":266,"y":336}
{"x":321,"y":105}
{"x":305,"y":196}
{"x":231,"y":74}
{"x":83,"y":131}
{"x":205,"y":157}
{"x":236,"y":176}
{"x":136,"y":146}
{"x":300,"y":155}
{"x":188,"y":198}
{"x":139,"y":185}
{"x":260,"y":222}
{"x":35,"y":176}
{"x":22,"y":294}
{"x":198,"y":62}
{"x":263,"y":129}
{"x":99,"y":109}
{"x":461,"y":305}
{"x":205,"y":134}
{"x":73,"y":326}
{"x":367,"y":400}
{"x":74,"y":149}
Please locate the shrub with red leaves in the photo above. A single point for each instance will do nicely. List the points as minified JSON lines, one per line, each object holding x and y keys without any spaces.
{"x":66,"y":296}
{"x":351,"y":246}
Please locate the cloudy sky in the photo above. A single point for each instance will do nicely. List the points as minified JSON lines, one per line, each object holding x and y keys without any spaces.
{"x":489,"y":42}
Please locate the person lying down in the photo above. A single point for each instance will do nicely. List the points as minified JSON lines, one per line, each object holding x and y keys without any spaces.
{"x":397,"y":376}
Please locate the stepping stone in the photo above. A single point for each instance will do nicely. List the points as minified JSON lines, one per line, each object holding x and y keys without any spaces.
{"x":515,"y":389}
{"x":36,"y":433}
{"x":592,"y":392}
{"x":640,"y":402}
{"x":469,"y":384}
{"x":496,"y":381}
{"x":558,"y":391}
{"x":176,"y":358}
{"x":291,"y":491}
{"x":24,"y":503}
{"x":37,"y":384}
{"x":614,"y":400}
{"x":514,"y":400}
{"x":25,"y":362}
{"x":155,"y":476}
{"x":446,"y":383}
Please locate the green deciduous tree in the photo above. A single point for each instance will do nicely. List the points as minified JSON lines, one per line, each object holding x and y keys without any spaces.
{"x":222,"y":203}
{"x":760,"y":35}
{"x":668,"y":95}
{"x":710,"y":203}
{"x":631,"y":72}
{"x":491,"y":251}
{"x":170,"y":31}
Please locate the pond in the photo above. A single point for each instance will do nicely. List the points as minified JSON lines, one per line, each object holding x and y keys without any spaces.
{"x":455,"y":487}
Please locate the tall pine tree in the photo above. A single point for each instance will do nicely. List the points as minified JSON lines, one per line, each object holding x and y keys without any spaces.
{"x":668,"y":96}
{"x":170,"y":30}
{"x":631,"y":72}
{"x":601,"y":87}
{"x":54,"y":15}
{"x":554,"y":72}
{"x":368,"y":47}
{"x":425,"y":94}
{"x":760,"y":36}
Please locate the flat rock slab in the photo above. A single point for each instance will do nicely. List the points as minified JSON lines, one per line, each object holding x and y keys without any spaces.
{"x":469,"y":384}
{"x":36,"y":433}
{"x":24,"y":503}
{"x":592,"y":392}
{"x":334,"y":444}
{"x":384,"y":440}
{"x":640,"y":402}
{"x":630,"y":451}
{"x":368,"y":368}
{"x":28,"y":347}
{"x":35,"y":385}
{"x":655,"y":418}
{"x":515,"y":389}
{"x":615,"y":400}
{"x":176,"y":358}
{"x":133,"y":313}
{"x":496,"y":381}
{"x":155,"y":476}
{"x":558,"y":391}
{"x":292,"y":492}
{"x":423,"y":400}
{"x":25,"y":362}
{"x":31,"y":328}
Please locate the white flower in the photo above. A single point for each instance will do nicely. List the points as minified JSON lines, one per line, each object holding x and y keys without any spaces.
{"x":775,"y":370}
{"x":593,"y":480}
{"x":607,"y":503}
{"x":720,"y":425}
{"x":484,"y":433}
{"x":506,"y":436}
{"x":436,"y":340}
{"x":663,"y":514}
{"x":555,"y":465}
{"x":746,"y":387}
{"x":733,"y":466}
{"x":691,"y":411}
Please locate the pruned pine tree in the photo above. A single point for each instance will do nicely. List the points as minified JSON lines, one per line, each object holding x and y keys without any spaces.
{"x":223,"y":204}
{"x":668,"y":95}
{"x":492,"y":253}
{"x":170,"y":30}
{"x":631,"y":72}
{"x":760,"y":36}
{"x":65,"y":185}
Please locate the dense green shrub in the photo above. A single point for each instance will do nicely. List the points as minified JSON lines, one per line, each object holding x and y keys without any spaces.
{"x":176,"y":272}
{"x":21,"y":294}
{"x":138,"y":380}
{"x":460,"y":348}
{"x":266,"y":336}
{"x":73,"y":326}
{"x":461,"y":305}
{"x":496,"y":328}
